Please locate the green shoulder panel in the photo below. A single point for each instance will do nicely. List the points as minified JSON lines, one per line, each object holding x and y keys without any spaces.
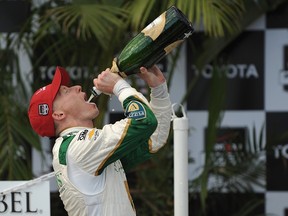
{"x":63,"y":149}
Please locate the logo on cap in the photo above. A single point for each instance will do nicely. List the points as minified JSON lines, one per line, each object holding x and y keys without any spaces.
{"x":43,"y":109}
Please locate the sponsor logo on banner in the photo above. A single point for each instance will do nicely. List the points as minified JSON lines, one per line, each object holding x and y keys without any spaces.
{"x":241,"y":68}
{"x":34,"y":200}
{"x":75,"y":72}
{"x":280,"y":151}
{"x":277,"y":151}
{"x":229,"y":141}
{"x":230,"y":71}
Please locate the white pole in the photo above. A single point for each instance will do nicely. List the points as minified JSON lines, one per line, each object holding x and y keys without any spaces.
{"x":180,"y":128}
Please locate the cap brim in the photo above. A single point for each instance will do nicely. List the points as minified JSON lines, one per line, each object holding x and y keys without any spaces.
{"x":61,"y":77}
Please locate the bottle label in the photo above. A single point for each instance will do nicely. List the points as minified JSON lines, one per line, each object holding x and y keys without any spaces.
{"x":155,"y":28}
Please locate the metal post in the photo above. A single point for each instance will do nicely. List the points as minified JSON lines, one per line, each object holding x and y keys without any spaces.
{"x":180,"y":129}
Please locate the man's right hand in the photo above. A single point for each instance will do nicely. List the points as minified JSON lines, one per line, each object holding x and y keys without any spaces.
{"x":106,"y":81}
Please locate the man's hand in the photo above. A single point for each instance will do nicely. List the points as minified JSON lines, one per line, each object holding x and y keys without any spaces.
{"x":152,"y":76}
{"x":106,"y":81}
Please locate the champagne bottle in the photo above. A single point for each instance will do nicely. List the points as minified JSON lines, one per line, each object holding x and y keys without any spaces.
{"x":154,"y":42}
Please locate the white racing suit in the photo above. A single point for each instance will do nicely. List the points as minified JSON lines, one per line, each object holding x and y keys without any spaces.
{"x":90,"y":163}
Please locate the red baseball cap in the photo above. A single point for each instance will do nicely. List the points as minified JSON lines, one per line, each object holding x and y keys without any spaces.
{"x":41,"y":104}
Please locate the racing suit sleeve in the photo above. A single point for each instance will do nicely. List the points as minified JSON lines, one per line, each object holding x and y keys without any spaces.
{"x":135,"y":130}
{"x":161,"y":106}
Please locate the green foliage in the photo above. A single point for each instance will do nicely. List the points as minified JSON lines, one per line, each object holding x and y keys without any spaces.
{"x":16,"y":139}
{"x":82,"y":22}
{"x":89,"y":33}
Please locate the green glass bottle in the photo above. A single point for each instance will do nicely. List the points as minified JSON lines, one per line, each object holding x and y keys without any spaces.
{"x":154,"y":42}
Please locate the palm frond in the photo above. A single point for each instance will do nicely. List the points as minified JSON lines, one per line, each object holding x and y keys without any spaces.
{"x":16,"y":139}
{"x":86,"y":21}
{"x":139,"y":13}
{"x":216,"y":17}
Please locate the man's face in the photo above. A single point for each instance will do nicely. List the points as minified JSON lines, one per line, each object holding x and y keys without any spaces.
{"x":72,"y":102}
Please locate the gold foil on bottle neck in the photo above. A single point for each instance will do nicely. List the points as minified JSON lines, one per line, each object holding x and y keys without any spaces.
{"x":155,"y":28}
{"x":115,"y":69}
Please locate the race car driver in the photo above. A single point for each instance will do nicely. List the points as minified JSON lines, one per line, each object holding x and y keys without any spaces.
{"x":90,"y":163}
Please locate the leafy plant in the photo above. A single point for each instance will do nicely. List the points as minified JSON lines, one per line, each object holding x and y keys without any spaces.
{"x":89,"y":33}
{"x":16,"y":139}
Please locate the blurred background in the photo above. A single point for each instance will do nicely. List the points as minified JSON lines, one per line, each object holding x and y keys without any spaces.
{"x":231,"y":75}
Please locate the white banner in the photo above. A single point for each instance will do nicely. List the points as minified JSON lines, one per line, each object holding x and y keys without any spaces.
{"x":33,"y":201}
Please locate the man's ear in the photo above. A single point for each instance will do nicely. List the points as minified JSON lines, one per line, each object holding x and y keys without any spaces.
{"x":58,"y":115}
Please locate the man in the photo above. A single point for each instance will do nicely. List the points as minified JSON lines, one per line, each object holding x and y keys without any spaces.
{"x":90,"y":163}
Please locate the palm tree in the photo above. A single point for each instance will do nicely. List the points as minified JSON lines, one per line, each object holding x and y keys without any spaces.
{"x":89,"y":33}
{"x":16,"y":139}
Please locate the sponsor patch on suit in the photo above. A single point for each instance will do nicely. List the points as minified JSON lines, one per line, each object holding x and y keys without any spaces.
{"x":135,"y":110}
